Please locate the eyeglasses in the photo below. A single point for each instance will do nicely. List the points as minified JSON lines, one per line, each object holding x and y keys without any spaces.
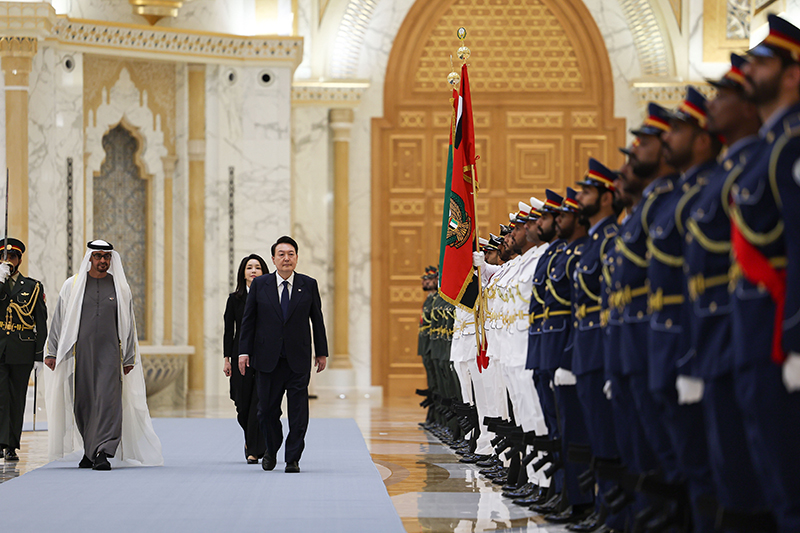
{"x":98,"y":256}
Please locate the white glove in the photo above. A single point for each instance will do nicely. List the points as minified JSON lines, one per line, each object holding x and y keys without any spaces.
{"x":478,"y":259}
{"x":5,"y":271}
{"x":690,"y":390}
{"x":607,"y":389}
{"x":791,"y":372}
{"x":564,"y":377}
{"x":37,"y":367}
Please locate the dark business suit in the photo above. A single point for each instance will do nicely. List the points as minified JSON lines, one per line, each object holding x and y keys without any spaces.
{"x":280,"y":352}
{"x":243,"y":387}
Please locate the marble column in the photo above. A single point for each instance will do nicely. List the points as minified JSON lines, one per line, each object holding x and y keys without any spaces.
{"x":341,"y":122}
{"x":16,"y":55}
{"x":197,"y":176}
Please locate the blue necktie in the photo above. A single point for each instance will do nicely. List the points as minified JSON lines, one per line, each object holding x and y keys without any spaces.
{"x":285,"y":300}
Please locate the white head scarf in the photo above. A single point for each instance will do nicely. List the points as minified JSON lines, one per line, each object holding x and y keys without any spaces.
{"x":140,"y":445}
{"x":72,"y":317}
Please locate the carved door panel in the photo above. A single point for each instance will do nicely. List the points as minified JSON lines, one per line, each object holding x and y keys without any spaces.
{"x":542,"y":104}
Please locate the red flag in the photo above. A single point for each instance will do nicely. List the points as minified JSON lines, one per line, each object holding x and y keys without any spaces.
{"x":457,"y":283}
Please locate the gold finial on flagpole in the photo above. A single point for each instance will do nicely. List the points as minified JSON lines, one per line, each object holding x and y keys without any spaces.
{"x":454,"y":78}
{"x":463,"y":52}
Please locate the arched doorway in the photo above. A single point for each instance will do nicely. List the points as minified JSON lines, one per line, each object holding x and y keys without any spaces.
{"x":120,"y":208}
{"x":543,"y":102}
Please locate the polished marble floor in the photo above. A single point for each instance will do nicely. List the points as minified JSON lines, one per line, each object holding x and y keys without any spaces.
{"x":430,"y":489}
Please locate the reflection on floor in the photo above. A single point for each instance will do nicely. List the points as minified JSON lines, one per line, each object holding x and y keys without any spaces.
{"x":430,"y":489}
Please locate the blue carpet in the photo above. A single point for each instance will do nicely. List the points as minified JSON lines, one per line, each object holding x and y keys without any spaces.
{"x":205,"y":485}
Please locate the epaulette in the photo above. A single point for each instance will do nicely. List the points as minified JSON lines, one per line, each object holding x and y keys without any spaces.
{"x":791,"y":125}
{"x":610,"y":231}
{"x":667,"y":186}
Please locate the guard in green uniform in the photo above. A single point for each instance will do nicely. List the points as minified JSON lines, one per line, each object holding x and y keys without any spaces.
{"x":23,"y":321}
{"x":429,"y":284}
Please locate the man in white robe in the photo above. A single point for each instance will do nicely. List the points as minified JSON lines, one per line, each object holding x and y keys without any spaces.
{"x":97,"y":385}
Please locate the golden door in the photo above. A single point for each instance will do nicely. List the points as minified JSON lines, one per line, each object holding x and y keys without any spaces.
{"x":542,"y":93}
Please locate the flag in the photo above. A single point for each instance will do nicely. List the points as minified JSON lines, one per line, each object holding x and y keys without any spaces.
{"x":457,"y":284}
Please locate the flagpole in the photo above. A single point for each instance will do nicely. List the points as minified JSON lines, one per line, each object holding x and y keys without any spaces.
{"x":463,"y":54}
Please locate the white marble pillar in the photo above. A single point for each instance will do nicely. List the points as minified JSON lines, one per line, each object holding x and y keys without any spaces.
{"x":248,"y":128}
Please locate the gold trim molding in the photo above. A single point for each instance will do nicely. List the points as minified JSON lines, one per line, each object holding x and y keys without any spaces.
{"x":328,"y":94}
{"x":135,"y":40}
{"x":39,"y":20}
{"x":668,"y":94}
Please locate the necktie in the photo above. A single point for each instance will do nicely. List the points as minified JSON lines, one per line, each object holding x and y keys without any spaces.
{"x":285,"y":300}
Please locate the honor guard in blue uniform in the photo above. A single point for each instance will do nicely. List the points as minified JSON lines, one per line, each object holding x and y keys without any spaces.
{"x":630,"y":439}
{"x":692,"y":150}
{"x":543,"y":376}
{"x":652,"y":177}
{"x":765,"y":239}
{"x":556,"y":345}
{"x":709,"y":323}
{"x":596,"y":199}
{"x":655,"y":460}
{"x":23,"y":331}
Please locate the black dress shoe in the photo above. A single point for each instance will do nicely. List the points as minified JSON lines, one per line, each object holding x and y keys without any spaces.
{"x":101,"y":461}
{"x":502,"y":473}
{"x":523,"y":492}
{"x":252,"y":461}
{"x":11,"y":455}
{"x":292,"y":468}
{"x":539,"y":496}
{"x":588,"y":524}
{"x":570,"y":515}
{"x":268,"y":463}
{"x":85,"y":463}
{"x":550,"y":506}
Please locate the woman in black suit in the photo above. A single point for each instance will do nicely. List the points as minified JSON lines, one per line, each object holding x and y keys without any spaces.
{"x":243,"y":387}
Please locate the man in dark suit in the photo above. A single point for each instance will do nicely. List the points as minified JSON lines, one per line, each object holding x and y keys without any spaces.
{"x":23,"y":330}
{"x":276,"y":341}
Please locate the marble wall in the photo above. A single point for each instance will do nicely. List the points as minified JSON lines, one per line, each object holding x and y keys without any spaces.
{"x":55,"y":133}
{"x":248,"y":127}
{"x":307,"y":17}
{"x":180,"y":209}
{"x":312,"y":199}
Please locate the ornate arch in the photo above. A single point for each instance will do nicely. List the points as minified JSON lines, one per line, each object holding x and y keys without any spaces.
{"x":123,"y":103}
{"x":543,"y":102}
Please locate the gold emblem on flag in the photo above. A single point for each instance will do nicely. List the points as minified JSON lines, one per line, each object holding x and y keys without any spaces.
{"x":459,"y":227}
